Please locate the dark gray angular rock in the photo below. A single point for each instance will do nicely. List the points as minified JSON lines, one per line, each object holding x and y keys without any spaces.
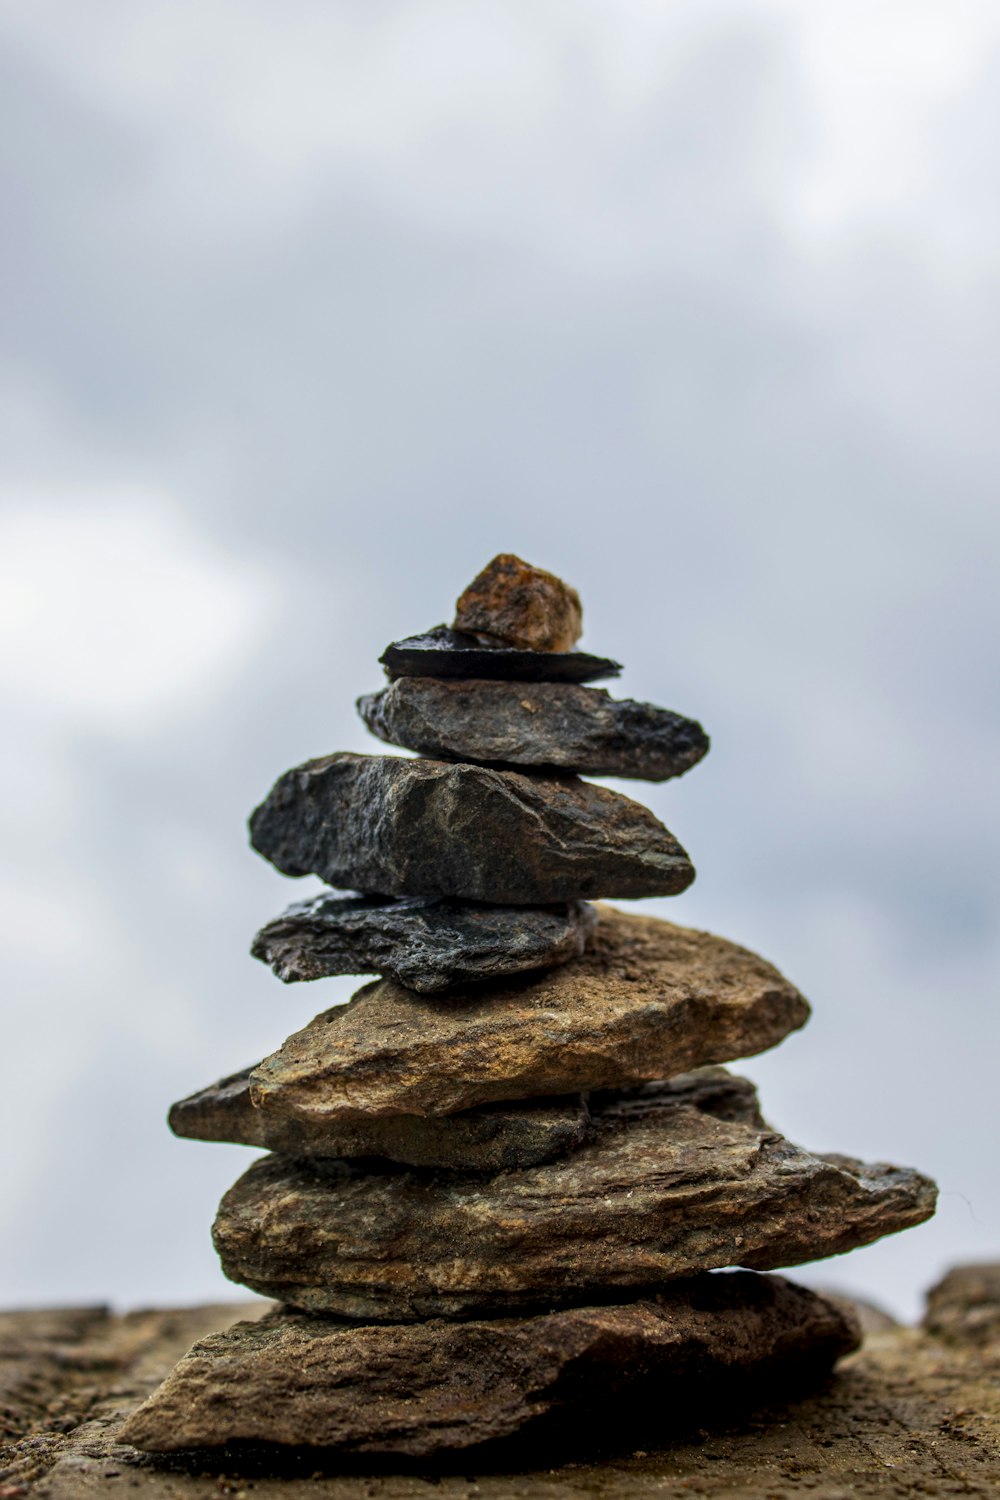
{"x":441,"y":652}
{"x":384,"y":825}
{"x":663,"y":1188}
{"x":422,"y":943}
{"x":426,"y":1389}
{"x":646,"y":1000}
{"x":479,"y":1140}
{"x":545,"y":726}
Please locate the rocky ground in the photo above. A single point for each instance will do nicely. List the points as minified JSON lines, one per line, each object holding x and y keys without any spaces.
{"x":915,"y":1412}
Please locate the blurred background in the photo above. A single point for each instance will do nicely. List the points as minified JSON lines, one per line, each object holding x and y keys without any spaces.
{"x":309,"y":309}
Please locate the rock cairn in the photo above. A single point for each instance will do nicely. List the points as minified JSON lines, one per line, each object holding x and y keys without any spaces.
{"x":503,"y":1180}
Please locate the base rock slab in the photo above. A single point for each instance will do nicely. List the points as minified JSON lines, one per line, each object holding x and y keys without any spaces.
{"x":426,"y":1389}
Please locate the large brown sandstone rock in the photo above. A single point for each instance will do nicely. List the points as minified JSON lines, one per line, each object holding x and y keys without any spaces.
{"x":551,"y":725}
{"x":646,"y":1000}
{"x":430,"y":1388}
{"x":397,"y":827}
{"x":663,"y":1188}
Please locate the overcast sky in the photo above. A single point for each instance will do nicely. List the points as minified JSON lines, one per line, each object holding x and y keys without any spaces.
{"x":311,"y":308}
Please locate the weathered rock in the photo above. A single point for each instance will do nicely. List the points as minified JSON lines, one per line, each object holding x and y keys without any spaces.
{"x":519,"y":605}
{"x":663,"y":1188}
{"x":481,"y":1140}
{"x":645,"y":1001}
{"x":549,"y":725}
{"x":423,"y":943}
{"x":964,"y":1307}
{"x":379,"y":823}
{"x":441,"y":652}
{"x":426,"y":1389}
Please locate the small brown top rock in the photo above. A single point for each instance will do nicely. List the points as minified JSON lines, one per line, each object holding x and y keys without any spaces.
{"x":517,"y":604}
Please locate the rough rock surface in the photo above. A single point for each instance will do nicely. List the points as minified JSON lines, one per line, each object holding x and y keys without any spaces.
{"x":965,"y":1306}
{"x":663,"y":1188}
{"x":909,"y":1416}
{"x":519,"y":605}
{"x":441,"y":652}
{"x":381,"y":824}
{"x":548,"y":725}
{"x":424,"y":944}
{"x":481,"y":1140}
{"x":429,"y":1388}
{"x":645,"y":1001}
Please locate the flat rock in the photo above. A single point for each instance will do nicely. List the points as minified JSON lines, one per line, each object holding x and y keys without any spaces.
{"x":548,"y":725}
{"x":664,"y":1187}
{"x":382,"y":824}
{"x":421,"y":1390}
{"x":645,"y":1001}
{"x":964,"y":1307}
{"x":482,"y":1140}
{"x":423,"y":943}
{"x":516,"y":604}
{"x":442,"y":652}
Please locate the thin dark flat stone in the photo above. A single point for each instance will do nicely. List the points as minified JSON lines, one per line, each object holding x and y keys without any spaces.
{"x":382,"y":824}
{"x":663,"y":1188}
{"x":422,"y":943}
{"x":442,"y":652}
{"x":425,"y":1389}
{"x":489,"y":1139}
{"x":544,"y":726}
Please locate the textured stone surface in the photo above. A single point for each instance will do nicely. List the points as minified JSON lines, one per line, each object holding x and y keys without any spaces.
{"x":908,"y":1416}
{"x":429,"y":1388}
{"x":483,"y":1140}
{"x":548,"y":725}
{"x":965,"y":1306}
{"x":385,"y":825}
{"x":519,"y":605}
{"x":663,"y":1188}
{"x":647,"y":1000}
{"x":422,"y":943}
{"x":441,"y":652}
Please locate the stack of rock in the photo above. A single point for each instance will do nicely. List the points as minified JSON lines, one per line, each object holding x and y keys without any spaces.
{"x":503,"y":1180}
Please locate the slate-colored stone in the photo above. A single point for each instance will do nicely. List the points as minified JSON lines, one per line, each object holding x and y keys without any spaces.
{"x":385,"y":825}
{"x":423,"y":943}
{"x":663,"y":1188}
{"x":646,"y":1000}
{"x":489,"y":1139}
{"x":442,"y":652}
{"x":427,"y":1389}
{"x":544,"y":726}
{"x":516,"y":604}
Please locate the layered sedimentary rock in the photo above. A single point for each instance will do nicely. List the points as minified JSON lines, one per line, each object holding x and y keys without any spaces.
{"x":381,"y":824}
{"x":549,"y":725}
{"x":489,"y":1139}
{"x":426,"y":1389}
{"x":441,"y":652}
{"x":423,"y":943}
{"x":516,"y":604}
{"x":646,"y":1000}
{"x":662,"y":1188}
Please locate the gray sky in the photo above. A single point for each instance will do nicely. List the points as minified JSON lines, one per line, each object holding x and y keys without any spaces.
{"x":310,"y":309}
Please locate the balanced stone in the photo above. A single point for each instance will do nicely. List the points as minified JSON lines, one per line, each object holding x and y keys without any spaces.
{"x":662,"y":1188}
{"x":488,"y":1139}
{"x":382,"y":824}
{"x":548,"y":725}
{"x":420,"y":1390}
{"x":423,"y":943}
{"x":519,"y":605}
{"x":442,"y":652}
{"x":646,"y":1000}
